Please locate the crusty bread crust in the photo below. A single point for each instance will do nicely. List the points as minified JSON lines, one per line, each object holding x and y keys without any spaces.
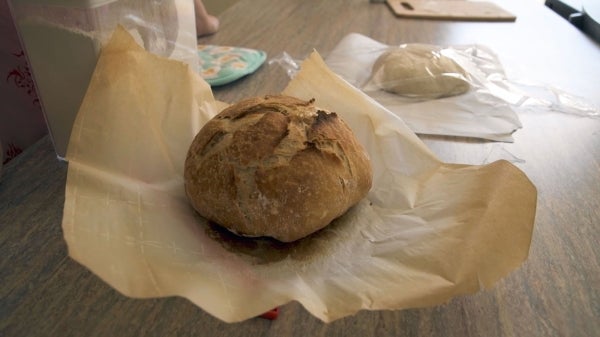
{"x":275,"y":166}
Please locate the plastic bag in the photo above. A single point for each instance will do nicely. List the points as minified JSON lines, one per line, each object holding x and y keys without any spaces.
{"x":479,"y":112}
{"x":488,"y":109}
{"x":287,"y":62}
{"x":163,"y":27}
{"x":418,"y":71}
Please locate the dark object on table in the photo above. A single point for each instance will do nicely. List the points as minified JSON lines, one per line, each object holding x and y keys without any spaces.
{"x":585,"y":19}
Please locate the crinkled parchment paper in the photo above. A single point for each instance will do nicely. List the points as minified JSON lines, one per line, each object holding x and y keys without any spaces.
{"x":485,"y":111}
{"x":427,"y":231}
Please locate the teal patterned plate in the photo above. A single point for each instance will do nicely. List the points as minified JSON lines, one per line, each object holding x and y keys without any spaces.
{"x":220,"y":65}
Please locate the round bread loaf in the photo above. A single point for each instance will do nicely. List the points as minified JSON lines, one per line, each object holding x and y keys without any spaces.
{"x":275,"y":166}
{"x":419,"y":70}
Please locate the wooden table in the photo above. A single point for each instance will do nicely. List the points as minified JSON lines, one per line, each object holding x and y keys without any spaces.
{"x":555,"y":293}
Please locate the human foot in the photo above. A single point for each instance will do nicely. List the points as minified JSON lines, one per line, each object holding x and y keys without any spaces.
{"x":206,"y":24}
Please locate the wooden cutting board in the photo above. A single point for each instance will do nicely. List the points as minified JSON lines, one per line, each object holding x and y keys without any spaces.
{"x":450,"y":10}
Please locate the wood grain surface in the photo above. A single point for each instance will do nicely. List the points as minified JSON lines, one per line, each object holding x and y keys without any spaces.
{"x":450,"y":10}
{"x":556,"y":292}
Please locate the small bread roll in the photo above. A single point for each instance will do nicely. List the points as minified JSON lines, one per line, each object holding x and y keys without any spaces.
{"x":275,"y":166}
{"x":419,"y":70}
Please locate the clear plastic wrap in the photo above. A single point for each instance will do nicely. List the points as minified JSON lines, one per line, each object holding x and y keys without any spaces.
{"x":450,"y":91}
{"x":536,"y":97}
{"x":63,"y":39}
{"x":163,"y":27}
{"x":419,"y":71}
{"x":287,"y":62}
{"x":429,"y":76}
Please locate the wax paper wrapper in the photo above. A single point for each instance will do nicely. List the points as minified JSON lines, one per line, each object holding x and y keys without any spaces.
{"x":427,"y":231}
{"x":484,"y":111}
